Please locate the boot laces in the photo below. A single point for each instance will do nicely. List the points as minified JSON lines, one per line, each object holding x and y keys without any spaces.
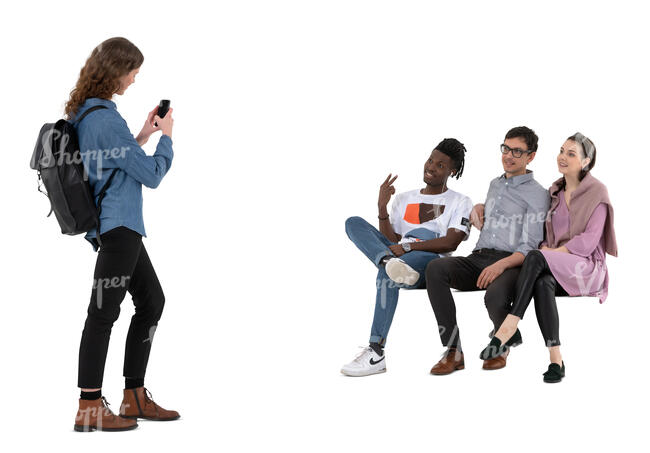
{"x":148,"y":396}
{"x":105,"y":407}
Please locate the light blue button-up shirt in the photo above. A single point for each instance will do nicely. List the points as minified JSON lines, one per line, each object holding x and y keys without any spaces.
{"x":515,"y":211}
{"x":106,"y":143}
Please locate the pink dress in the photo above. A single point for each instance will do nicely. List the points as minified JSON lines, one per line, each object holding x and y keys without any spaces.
{"x":583,"y":271}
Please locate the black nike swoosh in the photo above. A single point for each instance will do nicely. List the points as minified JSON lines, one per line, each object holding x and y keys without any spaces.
{"x":372,"y":362}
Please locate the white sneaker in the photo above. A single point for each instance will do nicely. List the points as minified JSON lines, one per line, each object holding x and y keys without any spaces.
{"x":366,"y":363}
{"x":400,"y":272}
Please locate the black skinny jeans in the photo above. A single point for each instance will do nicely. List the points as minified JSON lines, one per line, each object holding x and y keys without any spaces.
{"x":122,"y":265}
{"x":536,"y":281}
{"x":461,"y":273}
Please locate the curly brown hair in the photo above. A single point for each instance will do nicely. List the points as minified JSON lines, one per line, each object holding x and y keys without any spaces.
{"x":100,"y":76}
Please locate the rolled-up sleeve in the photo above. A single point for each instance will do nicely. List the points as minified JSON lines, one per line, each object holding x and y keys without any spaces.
{"x":586,"y":242}
{"x":533,"y":223}
{"x":130,"y":157}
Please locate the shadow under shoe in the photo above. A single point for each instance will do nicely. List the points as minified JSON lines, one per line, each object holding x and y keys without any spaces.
{"x":95,"y":415}
{"x":138,"y":403}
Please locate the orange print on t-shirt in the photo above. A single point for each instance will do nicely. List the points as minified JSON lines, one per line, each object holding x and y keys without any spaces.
{"x":418,"y":213}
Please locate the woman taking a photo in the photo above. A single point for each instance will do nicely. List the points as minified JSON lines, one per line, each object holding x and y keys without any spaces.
{"x":571,"y":262}
{"x":109,"y":150}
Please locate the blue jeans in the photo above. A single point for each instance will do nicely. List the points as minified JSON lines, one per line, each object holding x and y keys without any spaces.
{"x":374,"y":245}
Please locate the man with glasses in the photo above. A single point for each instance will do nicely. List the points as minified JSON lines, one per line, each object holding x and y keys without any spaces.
{"x":511,"y":223}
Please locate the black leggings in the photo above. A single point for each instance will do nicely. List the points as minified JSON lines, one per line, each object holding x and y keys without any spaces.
{"x":122,"y":265}
{"x":536,"y":281}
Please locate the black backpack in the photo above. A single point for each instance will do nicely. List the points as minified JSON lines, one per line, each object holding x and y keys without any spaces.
{"x":59,"y":165}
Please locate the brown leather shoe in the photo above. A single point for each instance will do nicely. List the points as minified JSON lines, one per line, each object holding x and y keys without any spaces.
{"x":137,"y":403}
{"x":451,"y":361}
{"x":496,"y":363}
{"x":95,"y":415}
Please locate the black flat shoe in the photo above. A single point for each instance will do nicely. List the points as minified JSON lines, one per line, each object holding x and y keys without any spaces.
{"x":555,"y":373}
{"x":495,"y":348}
{"x":515,"y":339}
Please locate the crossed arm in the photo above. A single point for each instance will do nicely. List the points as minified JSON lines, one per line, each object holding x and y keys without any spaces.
{"x":447,"y":243}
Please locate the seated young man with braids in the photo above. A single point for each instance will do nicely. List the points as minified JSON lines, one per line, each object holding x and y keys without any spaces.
{"x":424,"y":224}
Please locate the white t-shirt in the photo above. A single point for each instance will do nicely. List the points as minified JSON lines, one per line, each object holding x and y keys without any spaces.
{"x":416,"y":216}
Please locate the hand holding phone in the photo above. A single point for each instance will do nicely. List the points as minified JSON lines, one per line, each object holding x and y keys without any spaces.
{"x":163,"y":108}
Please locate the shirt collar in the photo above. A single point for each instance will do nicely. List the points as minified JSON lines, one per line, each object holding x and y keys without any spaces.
{"x":519,"y":179}
{"x":91,"y":102}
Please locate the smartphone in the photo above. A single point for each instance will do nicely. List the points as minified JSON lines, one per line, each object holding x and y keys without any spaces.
{"x":163,"y":108}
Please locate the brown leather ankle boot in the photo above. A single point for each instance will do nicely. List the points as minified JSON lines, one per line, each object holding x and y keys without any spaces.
{"x":96,"y":415}
{"x":138,"y":403}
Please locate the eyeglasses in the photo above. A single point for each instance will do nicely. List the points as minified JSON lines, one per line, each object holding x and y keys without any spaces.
{"x":516,"y":152}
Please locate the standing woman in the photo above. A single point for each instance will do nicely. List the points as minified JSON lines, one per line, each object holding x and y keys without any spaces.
{"x":571,"y":261}
{"x":112,"y":155}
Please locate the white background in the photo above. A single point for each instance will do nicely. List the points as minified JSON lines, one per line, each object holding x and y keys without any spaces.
{"x":288,"y":115}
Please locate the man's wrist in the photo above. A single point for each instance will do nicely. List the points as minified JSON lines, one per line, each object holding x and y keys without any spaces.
{"x":510,"y":261}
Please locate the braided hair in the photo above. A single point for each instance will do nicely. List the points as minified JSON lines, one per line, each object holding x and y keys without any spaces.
{"x":456,"y":152}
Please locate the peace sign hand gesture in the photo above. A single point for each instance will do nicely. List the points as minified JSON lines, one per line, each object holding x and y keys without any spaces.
{"x":386,"y":190}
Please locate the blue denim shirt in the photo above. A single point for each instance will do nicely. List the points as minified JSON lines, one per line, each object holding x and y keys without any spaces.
{"x":106,"y":143}
{"x":515,"y":212}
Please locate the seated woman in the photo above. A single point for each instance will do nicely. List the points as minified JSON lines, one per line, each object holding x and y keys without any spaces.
{"x":571,"y":262}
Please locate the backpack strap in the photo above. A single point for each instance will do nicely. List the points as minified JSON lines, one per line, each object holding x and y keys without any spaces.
{"x":101,"y":194}
{"x":91,"y":109}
